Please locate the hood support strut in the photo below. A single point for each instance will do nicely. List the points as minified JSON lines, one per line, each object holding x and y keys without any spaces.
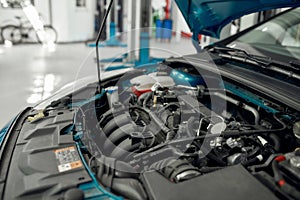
{"x":98,"y":39}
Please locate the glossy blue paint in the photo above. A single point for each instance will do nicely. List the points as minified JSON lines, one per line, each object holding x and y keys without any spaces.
{"x":208,"y":17}
{"x":250,"y":98}
{"x":112,"y":68}
{"x":4,"y":130}
{"x":182,"y":78}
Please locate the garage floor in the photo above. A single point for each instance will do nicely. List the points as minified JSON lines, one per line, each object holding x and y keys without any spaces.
{"x":29,"y":73}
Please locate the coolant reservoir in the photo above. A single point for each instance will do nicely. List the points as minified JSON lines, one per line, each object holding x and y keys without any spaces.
{"x":165,"y":81}
{"x":112,"y":95}
{"x":144,"y":83}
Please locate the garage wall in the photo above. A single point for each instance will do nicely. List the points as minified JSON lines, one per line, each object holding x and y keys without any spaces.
{"x":73,"y":23}
{"x":7,"y":15}
{"x":179,"y":23}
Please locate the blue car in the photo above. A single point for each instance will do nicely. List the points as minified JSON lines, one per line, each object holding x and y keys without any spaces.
{"x":220,"y":124}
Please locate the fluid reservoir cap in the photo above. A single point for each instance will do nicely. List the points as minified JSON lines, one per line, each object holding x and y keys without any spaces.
{"x":296,"y":130}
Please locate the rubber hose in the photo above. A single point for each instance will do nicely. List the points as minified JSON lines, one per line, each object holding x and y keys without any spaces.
{"x":275,"y":140}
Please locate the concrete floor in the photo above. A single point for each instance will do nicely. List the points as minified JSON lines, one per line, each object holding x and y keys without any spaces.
{"x":29,"y":73}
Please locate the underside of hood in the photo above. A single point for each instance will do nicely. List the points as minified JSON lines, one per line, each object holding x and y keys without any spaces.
{"x":208,"y":17}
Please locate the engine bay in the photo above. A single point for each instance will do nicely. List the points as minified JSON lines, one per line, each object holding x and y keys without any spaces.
{"x":166,"y":127}
{"x":170,"y":122}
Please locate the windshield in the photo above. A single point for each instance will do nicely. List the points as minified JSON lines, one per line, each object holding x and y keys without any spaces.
{"x":279,"y":38}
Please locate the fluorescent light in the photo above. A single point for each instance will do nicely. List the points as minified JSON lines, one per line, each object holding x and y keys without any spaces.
{"x":32,"y":15}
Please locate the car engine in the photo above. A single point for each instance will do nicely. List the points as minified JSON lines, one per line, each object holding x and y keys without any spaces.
{"x":153,"y":124}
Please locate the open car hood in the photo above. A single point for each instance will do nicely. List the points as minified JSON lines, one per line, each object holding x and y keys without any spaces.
{"x":208,"y":17}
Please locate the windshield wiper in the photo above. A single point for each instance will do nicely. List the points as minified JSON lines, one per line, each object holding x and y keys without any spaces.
{"x":260,"y":61}
{"x":228,"y":51}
